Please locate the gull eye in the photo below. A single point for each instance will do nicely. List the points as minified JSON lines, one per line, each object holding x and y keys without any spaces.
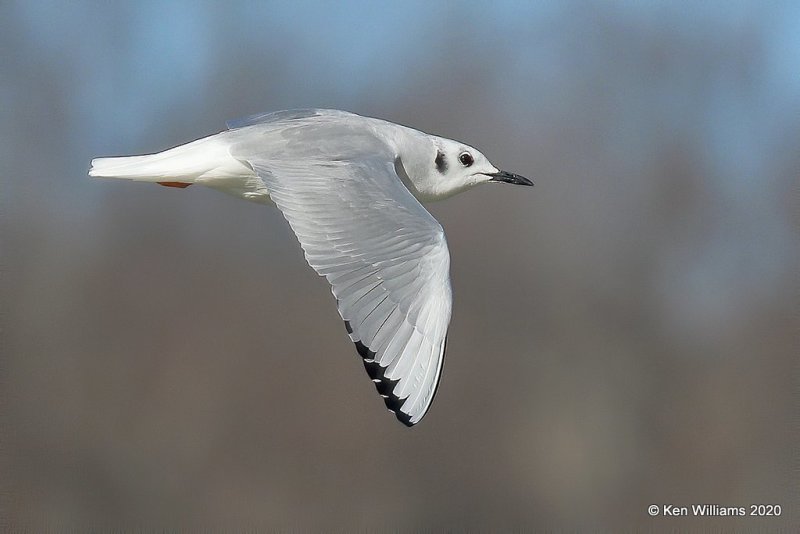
{"x":466,"y":159}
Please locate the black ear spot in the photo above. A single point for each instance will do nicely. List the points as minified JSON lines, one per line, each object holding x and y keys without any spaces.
{"x":441,"y":163}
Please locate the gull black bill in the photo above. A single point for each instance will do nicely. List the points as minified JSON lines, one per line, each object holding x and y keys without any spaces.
{"x":509,"y":178}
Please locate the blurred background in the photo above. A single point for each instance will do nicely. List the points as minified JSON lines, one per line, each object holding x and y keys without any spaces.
{"x":624,"y":333}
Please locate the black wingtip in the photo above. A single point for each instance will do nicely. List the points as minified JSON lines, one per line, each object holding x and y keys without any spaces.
{"x":364,"y":351}
{"x":404,"y":418}
{"x":383,"y":384}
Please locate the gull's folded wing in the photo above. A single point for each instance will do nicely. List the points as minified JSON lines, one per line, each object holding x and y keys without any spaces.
{"x":384,"y":255}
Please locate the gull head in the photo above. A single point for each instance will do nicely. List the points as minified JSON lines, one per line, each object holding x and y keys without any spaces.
{"x":451,"y":167}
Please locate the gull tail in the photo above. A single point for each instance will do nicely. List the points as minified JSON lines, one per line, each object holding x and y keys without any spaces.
{"x":206,"y":160}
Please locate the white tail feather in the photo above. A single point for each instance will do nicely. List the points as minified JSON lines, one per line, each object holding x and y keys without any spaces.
{"x":201,"y":160}
{"x":206,"y":161}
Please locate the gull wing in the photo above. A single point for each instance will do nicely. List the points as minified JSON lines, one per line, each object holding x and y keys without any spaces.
{"x":384,"y":255}
{"x":286,"y":116}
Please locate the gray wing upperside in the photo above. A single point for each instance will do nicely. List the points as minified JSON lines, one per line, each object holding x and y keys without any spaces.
{"x":285,"y":115}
